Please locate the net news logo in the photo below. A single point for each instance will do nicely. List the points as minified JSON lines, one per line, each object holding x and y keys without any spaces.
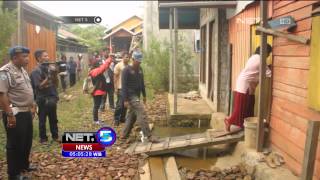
{"x":106,"y":136}
{"x":88,"y":144}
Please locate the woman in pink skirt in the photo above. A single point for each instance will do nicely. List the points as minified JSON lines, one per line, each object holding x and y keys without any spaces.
{"x":248,"y":79}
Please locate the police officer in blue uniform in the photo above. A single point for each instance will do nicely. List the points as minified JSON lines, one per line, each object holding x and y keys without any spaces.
{"x":18,"y":109}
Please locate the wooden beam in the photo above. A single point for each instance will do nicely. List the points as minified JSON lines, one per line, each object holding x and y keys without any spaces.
{"x":19,"y":21}
{"x":175,"y":58}
{"x":262,"y":77}
{"x":310,"y":150}
{"x":147,"y":172}
{"x":291,"y":37}
{"x":171,"y":168}
{"x":171,"y":52}
{"x":200,"y":4}
{"x":315,"y":11}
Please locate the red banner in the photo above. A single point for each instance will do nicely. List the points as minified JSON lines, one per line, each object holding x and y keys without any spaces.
{"x":82,"y":147}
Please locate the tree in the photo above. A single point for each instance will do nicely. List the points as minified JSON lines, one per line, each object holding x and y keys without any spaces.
{"x":91,"y":35}
{"x":156,"y":65}
{"x":8,"y":21}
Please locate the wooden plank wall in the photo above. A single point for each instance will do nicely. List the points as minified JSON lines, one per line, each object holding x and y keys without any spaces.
{"x":290,"y":112}
{"x":239,"y":37}
{"x":46,"y":39}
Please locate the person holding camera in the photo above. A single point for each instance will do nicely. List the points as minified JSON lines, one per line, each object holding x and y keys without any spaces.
{"x":44,"y":81}
{"x":18,"y":109}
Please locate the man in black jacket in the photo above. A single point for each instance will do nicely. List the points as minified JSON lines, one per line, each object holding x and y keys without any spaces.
{"x":132,"y":87}
{"x":44,"y":82}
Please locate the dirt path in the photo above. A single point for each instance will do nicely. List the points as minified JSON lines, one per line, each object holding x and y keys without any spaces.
{"x":75,"y":115}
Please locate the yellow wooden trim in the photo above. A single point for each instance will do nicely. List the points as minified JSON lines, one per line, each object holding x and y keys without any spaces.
{"x":314,"y":72}
{"x":255,"y":42}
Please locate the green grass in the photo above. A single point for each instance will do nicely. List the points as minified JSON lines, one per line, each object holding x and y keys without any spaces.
{"x":74,"y":115}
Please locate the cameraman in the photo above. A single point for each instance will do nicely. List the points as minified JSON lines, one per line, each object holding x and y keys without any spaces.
{"x":44,"y":83}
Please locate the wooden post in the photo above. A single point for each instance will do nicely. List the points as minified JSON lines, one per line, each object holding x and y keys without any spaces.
{"x":171,"y":52}
{"x":19,"y":9}
{"x":262,"y":92}
{"x":310,"y":150}
{"x":175,"y":57}
{"x":230,"y":108}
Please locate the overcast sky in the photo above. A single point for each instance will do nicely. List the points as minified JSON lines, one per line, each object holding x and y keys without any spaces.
{"x":111,"y":12}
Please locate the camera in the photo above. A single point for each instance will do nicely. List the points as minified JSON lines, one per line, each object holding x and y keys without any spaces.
{"x":49,"y":70}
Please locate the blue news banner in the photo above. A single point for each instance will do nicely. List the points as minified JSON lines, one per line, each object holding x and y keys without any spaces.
{"x":87,"y":144}
{"x":84,"y":154}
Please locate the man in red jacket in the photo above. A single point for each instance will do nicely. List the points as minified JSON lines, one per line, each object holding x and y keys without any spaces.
{"x":99,"y":83}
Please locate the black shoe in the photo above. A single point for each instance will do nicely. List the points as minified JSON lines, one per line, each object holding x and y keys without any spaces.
{"x":57,"y":140}
{"x":18,"y":177}
{"x":116,"y":123}
{"x":31,"y":168}
{"x":43,"y":141}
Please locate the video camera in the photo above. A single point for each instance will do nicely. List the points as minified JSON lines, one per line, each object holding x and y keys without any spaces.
{"x":50,"y":69}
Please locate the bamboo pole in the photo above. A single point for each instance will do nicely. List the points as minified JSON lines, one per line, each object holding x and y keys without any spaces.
{"x":175,"y":50}
{"x":262,"y":77}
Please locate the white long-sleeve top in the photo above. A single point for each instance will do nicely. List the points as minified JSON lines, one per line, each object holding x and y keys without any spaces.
{"x":248,"y":78}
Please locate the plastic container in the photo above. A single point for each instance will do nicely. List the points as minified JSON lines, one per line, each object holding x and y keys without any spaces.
{"x":250,"y":132}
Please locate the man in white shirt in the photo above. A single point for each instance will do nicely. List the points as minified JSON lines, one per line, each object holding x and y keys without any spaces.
{"x":120,"y":111}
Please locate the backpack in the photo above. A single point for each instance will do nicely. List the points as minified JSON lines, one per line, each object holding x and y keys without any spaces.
{"x":87,"y":85}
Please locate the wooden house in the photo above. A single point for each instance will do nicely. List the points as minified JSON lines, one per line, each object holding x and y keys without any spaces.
{"x":294,"y":93}
{"x":120,"y":36}
{"x":37,"y":29}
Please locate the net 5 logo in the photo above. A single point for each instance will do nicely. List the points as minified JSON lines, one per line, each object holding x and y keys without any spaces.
{"x":106,"y":136}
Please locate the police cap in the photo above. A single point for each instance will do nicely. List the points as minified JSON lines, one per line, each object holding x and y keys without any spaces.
{"x":18,"y":49}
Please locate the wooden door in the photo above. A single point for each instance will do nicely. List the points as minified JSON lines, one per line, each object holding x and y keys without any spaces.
{"x":255,"y":42}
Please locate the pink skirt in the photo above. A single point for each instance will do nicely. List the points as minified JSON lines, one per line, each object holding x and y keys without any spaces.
{"x":243,"y":107}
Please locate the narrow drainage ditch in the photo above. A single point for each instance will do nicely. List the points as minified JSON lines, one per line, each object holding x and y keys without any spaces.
{"x":192,"y":164}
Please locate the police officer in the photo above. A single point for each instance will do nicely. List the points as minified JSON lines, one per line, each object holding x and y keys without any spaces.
{"x":17,"y":103}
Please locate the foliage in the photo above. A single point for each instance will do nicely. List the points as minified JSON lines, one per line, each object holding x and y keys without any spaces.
{"x":8,"y":21}
{"x":91,"y":35}
{"x":156,"y":65}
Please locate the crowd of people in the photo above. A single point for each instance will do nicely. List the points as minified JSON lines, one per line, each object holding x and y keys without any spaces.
{"x":115,"y":75}
{"x":72,"y":68}
{"x":22,"y":96}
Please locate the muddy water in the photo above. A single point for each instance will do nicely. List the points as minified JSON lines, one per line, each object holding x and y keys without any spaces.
{"x":193,"y":158}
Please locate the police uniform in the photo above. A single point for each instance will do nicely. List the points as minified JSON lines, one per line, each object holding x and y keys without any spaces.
{"x":16,"y":84}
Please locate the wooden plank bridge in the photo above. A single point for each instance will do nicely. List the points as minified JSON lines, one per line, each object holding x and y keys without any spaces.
{"x":172,"y":144}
